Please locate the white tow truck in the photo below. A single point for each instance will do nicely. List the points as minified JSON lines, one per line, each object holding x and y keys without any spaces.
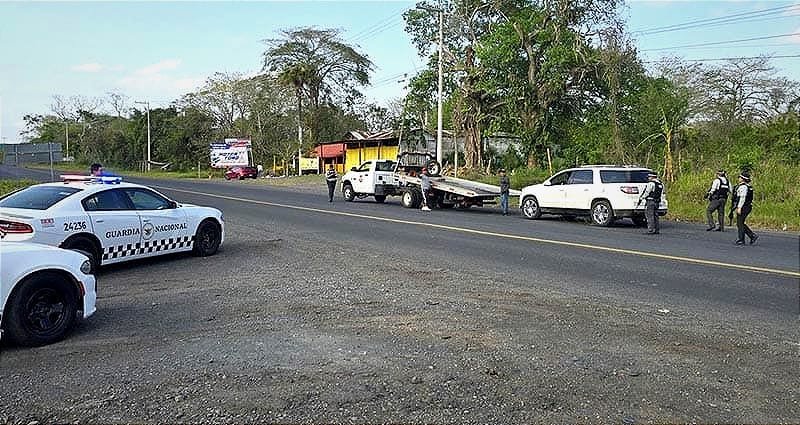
{"x":382,"y":178}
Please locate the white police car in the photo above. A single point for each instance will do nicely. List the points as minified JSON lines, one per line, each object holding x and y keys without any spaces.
{"x":42,"y":291}
{"x":108,"y":220}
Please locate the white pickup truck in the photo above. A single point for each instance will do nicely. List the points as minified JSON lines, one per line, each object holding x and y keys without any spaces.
{"x":382,"y":178}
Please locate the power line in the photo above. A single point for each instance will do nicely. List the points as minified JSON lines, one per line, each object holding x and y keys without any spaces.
{"x":717,"y":43}
{"x":723,"y":19}
{"x":731,"y":58}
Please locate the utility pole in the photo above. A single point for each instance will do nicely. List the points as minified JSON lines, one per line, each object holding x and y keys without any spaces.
{"x":147,"y":103}
{"x":439,"y":105}
{"x":439,"y":96}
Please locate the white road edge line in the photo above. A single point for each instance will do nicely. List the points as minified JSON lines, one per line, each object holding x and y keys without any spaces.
{"x":503,"y":235}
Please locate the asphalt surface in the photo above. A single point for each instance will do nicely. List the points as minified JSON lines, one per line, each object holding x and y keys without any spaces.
{"x":577,"y":291}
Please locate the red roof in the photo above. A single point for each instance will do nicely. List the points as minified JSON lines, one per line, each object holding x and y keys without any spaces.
{"x":330,"y":151}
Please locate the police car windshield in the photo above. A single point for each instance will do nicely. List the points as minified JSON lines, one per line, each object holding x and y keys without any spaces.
{"x":37,"y":197}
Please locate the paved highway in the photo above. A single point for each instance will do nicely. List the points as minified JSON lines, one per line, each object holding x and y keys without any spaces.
{"x":684,"y":266}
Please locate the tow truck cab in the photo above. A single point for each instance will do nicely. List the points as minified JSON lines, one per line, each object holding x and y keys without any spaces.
{"x":372,"y":178}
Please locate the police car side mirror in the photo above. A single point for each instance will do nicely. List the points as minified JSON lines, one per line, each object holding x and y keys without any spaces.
{"x":353,"y":169}
{"x":173,"y":205}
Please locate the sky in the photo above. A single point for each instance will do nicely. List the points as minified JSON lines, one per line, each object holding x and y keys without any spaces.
{"x":155,"y":51}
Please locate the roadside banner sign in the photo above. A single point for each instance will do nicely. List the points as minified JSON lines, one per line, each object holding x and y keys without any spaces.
{"x":233,"y":152}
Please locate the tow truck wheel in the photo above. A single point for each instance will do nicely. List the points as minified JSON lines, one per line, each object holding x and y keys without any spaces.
{"x":41,"y":310}
{"x":348,"y":193}
{"x":407,"y":200}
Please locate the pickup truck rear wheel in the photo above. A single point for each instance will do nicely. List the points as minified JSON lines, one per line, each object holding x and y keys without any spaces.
{"x":348,"y":193}
{"x":380,"y":198}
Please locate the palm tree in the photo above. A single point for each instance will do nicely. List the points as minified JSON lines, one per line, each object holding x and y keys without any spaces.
{"x":318,"y":65}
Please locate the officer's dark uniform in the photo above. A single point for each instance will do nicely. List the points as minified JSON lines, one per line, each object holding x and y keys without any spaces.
{"x":330,"y":178}
{"x":652,"y":196}
{"x":717,"y":197}
{"x":742,"y":203}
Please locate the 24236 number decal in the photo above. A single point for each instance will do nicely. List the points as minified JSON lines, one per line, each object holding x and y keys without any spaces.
{"x":74,"y":225}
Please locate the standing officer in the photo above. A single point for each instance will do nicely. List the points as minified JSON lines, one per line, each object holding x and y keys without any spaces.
{"x":652,"y":197}
{"x":425,"y":183}
{"x":330,"y":178}
{"x":505,"y":185}
{"x":717,"y":196}
{"x":743,"y":205}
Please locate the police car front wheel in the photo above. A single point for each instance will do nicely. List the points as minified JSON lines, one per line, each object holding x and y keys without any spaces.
{"x":42,"y":309}
{"x":207,"y":239}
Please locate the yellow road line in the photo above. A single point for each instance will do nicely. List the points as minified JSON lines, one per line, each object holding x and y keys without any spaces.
{"x":504,"y":235}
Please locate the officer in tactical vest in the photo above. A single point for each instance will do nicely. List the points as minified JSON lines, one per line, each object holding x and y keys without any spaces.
{"x":717,"y":196}
{"x":652,"y":197}
{"x":330,"y":179}
{"x":742,"y":203}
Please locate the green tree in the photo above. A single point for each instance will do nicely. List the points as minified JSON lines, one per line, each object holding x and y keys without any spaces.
{"x":319,"y":66}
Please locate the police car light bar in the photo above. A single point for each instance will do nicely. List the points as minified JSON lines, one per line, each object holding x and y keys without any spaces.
{"x":91,"y":179}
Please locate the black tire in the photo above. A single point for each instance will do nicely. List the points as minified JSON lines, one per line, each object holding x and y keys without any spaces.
{"x":639,"y":221}
{"x":602,"y":214}
{"x":407,"y":199}
{"x":241,"y":177}
{"x":434,"y":168}
{"x":380,"y":198}
{"x":443,"y":205}
{"x":207,"y":239}
{"x":41,"y":310}
{"x":348,"y":193}
{"x":417,"y":198}
{"x":530,"y":208}
{"x":86,"y":247}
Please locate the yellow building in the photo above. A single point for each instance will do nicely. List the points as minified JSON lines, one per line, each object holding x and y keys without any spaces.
{"x":357,"y":147}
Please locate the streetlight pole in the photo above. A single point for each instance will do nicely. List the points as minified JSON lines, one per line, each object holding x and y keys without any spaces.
{"x":147,"y":103}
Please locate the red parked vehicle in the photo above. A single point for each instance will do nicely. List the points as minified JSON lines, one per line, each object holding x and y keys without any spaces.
{"x":241,"y":173}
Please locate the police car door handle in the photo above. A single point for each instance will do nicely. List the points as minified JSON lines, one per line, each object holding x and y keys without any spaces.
{"x":99,"y":221}
{"x":144,"y":220}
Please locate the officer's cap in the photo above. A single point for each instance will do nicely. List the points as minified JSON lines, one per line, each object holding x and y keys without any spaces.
{"x":721,"y":172}
{"x":502,"y":170}
{"x":745,"y":176}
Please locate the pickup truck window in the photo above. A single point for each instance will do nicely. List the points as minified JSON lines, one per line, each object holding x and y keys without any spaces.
{"x":384,"y":166}
{"x":364,"y":167}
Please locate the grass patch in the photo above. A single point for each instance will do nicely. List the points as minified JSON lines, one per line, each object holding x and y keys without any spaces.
{"x":8,"y":185}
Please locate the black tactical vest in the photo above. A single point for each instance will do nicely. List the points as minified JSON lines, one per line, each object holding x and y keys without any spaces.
{"x":657,"y":190}
{"x":748,"y":199}
{"x":722,"y":190}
